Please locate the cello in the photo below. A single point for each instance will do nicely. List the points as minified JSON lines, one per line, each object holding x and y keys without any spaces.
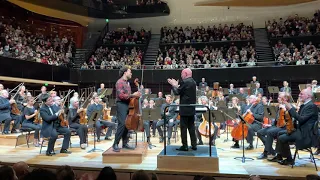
{"x":14,"y":107}
{"x":241,"y":131}
{"x":133,"y":117}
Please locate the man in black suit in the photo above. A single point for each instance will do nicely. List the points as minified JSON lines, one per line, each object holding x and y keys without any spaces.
{"x":203,"y":84}
{"x":171,"y":118}
{"x":269,"y":132}
{"x":302,"y":136}
{"x":51,"y":126}
{"x":5,"y":110}
{"x":257,"y":111}
{"x":187,"y":92}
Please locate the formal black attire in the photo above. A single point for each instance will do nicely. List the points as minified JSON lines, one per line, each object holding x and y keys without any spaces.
{"x":187,"y":92}
{"x":51,"y":128}
{"x":172,"y":114}
{"x":74,"y":123}
{"x":5,"y":110}
{"x":303,"y":135}
{"x":286,"y":89}
{"x":258,"y":113}
{"x":100,"y":122}
{"x":268,"y":134}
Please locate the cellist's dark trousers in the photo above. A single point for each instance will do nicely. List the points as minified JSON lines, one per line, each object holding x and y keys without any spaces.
{"x":254,"y":127}
{"x":122,"y":131}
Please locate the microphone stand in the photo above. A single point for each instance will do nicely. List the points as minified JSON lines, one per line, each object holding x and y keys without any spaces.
{"x":243,"y":158}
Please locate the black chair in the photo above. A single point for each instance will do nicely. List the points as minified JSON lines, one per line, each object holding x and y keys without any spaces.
{"x":74,"y":133}
{"x":308,"y":149}
{"x":28,"y":133}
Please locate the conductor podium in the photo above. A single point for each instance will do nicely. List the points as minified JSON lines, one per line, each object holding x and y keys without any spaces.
{"x":204,"y":159}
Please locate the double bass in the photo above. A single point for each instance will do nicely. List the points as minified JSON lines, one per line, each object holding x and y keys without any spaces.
{"x":204,"y":128}
{"x":133,"y":117}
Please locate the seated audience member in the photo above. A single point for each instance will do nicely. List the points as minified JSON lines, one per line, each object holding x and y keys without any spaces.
{"x":40,"y":174}
{"x":7,"y":173}
{"x":107,"y":173}
{"x":21,"y":168}
{"x":140,"y":175}
{"x":65,"y":173}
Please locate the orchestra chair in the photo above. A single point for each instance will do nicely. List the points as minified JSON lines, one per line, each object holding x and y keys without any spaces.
{"x":28,"y":133}
{"x":308,"y":148}
{"x":74,"y":133}
{"x":47,"y":139}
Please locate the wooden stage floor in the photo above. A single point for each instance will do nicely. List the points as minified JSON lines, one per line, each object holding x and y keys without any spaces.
{"x":229,"y":167}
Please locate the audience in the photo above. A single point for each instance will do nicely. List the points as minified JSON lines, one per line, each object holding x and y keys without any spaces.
{"x":126,"y":36}
{"x":114,"y":58}
{"x":296,"y":55}
{"x":7,"y":173}
{"x":140,"y":175}
{"x":107,"y":173}
{"x":294,"y":26}
{"x":16,"y":42}
{"x":40,"y":174}
{"x":65,"y":173}
{"x":211,"y":34}
{"x":21,"y":168}
{"x":208,"y":57}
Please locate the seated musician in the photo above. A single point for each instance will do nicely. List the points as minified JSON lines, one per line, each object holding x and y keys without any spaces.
{"x":152,"y":105}
{"x":30,"y":113}
{"x":257,"y":111}
{"x":257,"y":90}
{"x":204,"y":101}
{"x":171,"y":118}
{"x":242,"y":93}
{"x":43,"y":92}
{"x":51,"y":126}
{"x":286,"y":87}
{"x":268,"y":134}
{"x":146,"y":123}
{"x":264,"y":101}
{"x":20,"y":99}
{"x":101,"y":122}
{"x":232,"y":90}
{"x":5,"y":110}
{"x":303,"y":133}
{"x":74,"y":121}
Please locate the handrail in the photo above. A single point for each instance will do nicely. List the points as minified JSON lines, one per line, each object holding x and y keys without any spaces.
{"x":185,"y":105}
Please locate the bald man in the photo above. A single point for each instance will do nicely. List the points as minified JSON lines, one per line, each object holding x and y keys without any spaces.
{"x":303,"y":134}
{"x":187,"y":92}
{"x":21,"y":168}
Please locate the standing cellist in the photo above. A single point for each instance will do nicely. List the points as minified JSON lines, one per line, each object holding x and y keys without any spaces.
{"x":123,"y":95}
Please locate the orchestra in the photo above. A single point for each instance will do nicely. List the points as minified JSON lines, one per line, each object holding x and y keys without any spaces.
{"x":292,"y":122}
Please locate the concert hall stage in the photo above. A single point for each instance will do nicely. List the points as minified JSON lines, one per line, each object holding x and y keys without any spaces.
{"x":229,"y":168}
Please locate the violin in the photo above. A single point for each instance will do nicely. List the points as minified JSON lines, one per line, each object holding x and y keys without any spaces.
{"x":63,"y":121}
{"x":105,"y":112}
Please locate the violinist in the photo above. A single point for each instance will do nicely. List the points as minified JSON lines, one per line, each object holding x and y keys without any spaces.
{"x":43,"y":92}
{"x":268,"y":133}
{"x":123,"y":95}
{"x":303,"y":134}
{"x":29,"y":116}
{"x":171,"y":119}
{"x":96,"y":106}
{"x":198,"y":120}
{"x":101,"y":89}
{"x":257,"y":111}
{"x":74,"y":121}
{"x":5,"y":110}
{"x":51,"y":126}
{"x":264,"y":101}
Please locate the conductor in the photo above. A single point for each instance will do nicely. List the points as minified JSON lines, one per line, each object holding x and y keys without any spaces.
{"x":187,"y":92}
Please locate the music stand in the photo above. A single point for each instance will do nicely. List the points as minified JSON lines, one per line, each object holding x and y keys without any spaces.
{"x":216,"y":116}
{"x":95,"y":115}
{"x":230,"y":113}
{"x":243,"y":158}
{"x":273,"y":90}
{"x":159,"y":102}
{"x":302,"y":86}
{"x":225,"y":91}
